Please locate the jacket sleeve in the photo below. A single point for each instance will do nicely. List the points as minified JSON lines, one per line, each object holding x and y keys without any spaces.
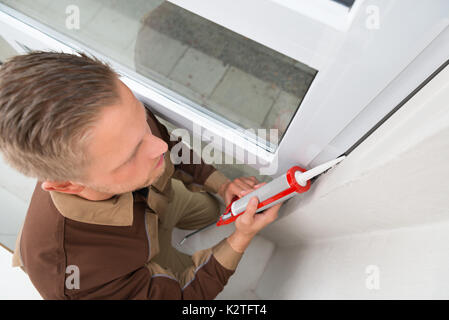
{"x":208,"y":275}
{"x":210,"y":272}
{"x":202,"y":174}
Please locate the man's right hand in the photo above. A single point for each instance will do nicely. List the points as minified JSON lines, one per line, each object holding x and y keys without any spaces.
{"x":248,"y":224}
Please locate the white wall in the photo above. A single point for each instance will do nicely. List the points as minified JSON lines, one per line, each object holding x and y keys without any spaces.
{"x":411,"y":263}
{"x":14,"y":283}
{"x":385,"y":205}
{"x":15,"y":194}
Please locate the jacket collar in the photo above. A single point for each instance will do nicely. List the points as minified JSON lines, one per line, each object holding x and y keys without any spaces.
{"x":116,"y":211}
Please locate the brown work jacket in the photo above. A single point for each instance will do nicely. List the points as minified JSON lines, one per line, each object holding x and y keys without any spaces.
{"x":110,"y":244}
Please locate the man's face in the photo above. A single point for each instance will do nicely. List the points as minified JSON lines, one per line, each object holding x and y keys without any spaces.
{"x":125,"y":154}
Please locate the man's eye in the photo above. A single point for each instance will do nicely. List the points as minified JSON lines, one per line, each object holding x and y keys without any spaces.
{"x":131,"y":160}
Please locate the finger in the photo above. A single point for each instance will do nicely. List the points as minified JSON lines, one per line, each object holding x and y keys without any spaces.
{"x":259,"y":185}
{"x":229,"y":194}
{"x":240,"y":187}
{"x":273,"y":211}
{"x":235,"y":189}
{"x":253,"y":178}
{"x":248,"y":216}
{"x":245,"y":192}
{"x":228,"y":198}
{"x":267,"y":216}
{"x":249,"y":180}
{"x":244,"y":184}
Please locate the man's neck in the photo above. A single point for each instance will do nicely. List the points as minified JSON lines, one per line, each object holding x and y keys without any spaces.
{"x":93,"y":195}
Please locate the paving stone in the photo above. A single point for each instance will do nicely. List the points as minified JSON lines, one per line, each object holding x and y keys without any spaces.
{"x":157,"y":52}
{"x":243,"y":99}
{"x":230,"y":47}
{"x":198,"y":71}
{"x":192,"y":96}
{"x":187,"y":27}
{"x":128,"y":56}
{"x":282,"y":112}
{"x":134,"y":9}
{"x":112,"y":29}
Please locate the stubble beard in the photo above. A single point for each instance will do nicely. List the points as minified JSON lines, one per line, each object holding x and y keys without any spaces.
{"x":125,"y":189}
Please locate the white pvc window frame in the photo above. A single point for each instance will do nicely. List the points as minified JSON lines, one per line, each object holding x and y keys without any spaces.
{"x":334,"y":14}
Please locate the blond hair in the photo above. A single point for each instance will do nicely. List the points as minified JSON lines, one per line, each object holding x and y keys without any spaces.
{"x":49,"y":102}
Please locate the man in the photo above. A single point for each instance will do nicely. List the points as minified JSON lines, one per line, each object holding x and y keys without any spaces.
{"x":108,"y":196}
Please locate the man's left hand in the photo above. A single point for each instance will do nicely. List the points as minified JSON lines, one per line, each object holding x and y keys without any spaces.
{"x":238,"y":187}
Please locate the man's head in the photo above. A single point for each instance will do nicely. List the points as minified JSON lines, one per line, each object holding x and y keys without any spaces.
{"x":69,"y":121}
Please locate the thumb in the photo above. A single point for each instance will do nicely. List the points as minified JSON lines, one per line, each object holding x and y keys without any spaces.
{"x":248,"y":215}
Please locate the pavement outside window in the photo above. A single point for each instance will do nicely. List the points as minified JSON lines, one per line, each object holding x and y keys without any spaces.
{"x":215,"y":68}
{"x":235,"y":77}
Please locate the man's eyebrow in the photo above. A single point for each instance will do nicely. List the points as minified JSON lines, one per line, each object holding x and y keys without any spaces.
{"x":131,"y":157}
{"x":134,"y":152}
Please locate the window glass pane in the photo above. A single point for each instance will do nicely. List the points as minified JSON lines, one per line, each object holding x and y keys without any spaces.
{"x":224,"y":74}
{"x":233,"y":171}
{"x":6,"y":51}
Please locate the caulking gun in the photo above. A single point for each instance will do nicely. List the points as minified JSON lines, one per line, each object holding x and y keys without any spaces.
{"x":295,"y":181}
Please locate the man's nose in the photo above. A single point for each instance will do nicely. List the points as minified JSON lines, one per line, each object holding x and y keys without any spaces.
{"x":157,"y":146}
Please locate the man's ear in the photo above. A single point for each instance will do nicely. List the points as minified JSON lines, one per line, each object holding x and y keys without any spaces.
{"x":62,"y":186}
